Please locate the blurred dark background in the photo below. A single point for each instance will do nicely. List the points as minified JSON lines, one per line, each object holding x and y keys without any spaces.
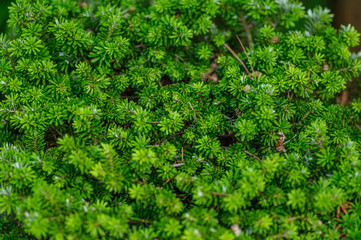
{"x":345,"y":12}
{"x":4,"y":13}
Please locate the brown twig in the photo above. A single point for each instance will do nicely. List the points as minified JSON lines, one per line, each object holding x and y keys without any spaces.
{"x":168,"y":180}
{"x":220,"y":194}
{"x":182,"y":154}
{"x":210,"y":71}
{"x":178,"y":165}
{"x":195,"y":116}
{"x":235,"y":55}
{"x":308,"y":113}
{"x":252,"y":155}
{"x":239,"y":40}
{"x":57,"y":131}
{"x":344,"y":208}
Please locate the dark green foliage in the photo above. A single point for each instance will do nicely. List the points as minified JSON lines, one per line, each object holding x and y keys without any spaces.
{"x":132,"y":120}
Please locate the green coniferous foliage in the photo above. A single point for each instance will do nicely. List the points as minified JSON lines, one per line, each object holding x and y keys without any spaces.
{"x":136,"y":120}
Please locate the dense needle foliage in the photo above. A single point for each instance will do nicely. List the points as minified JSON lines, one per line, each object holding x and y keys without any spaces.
{"x":137,"y":120}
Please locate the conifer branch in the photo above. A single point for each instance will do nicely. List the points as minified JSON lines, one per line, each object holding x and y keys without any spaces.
{"x":104,"y":134}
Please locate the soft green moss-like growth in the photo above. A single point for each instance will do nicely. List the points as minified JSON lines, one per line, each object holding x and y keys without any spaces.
{"x":147,"y":120}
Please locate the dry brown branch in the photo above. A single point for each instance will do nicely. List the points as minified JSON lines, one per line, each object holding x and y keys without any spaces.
{"x":239,"y":40}
{"x":252,"y":155}
{"x":195,"y":116}
{"x":235,"y":55}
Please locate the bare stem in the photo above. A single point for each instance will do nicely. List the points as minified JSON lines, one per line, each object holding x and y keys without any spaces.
{"x":57,"y":131}
{"x":235,"y":55}
{"x":252,"y":155}
{"x":220,"y":194}
{"x":178,"y":165}
{"x":182,"y":154}
{"x":195,"y":115}
{"x":239,"y":40}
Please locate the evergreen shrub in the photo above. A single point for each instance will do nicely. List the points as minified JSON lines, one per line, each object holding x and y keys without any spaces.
{"x":149,"y":120}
